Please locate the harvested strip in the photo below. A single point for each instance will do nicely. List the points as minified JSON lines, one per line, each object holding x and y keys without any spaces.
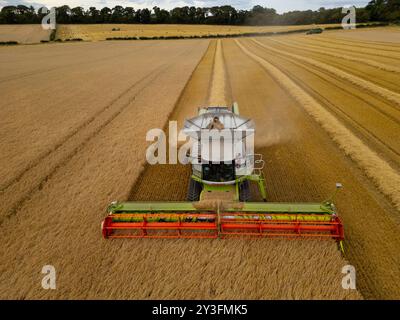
{"x":357,"y":44}
{"x":371,"y":118}
{"x":258,"y":269}
{"x":384,"y":176}
{"x":369,"y":52}
{"x":25,"y":33}
{"x":369,"y":62}
{"x":383,"y":92}
{"x":217,"y":90}
{"x":60,"y":223}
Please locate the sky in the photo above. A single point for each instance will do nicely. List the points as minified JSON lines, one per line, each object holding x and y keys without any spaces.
{"x":279,"y":5}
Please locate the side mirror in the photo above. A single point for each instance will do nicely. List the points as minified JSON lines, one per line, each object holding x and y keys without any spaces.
{"x":333,"y":196}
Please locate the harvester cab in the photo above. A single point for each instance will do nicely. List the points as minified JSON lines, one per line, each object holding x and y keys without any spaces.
{"x":219,"y":195}
{"x":222,"y":156}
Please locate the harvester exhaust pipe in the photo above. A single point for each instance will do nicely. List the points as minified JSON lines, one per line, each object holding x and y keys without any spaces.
{"x":235,"y":108}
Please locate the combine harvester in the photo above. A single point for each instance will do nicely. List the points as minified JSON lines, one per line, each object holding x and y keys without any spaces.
{"x":219,"y":195}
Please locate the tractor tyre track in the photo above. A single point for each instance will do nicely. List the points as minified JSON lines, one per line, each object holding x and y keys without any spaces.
{"x":353,"y":43}
{"x":392,"y":155}
{"x":61,"y":223}
{"x":371,"y":128}
{"x":82,"y":126}
{"x":300,"y":46}
{"x":218,"y":90}
{"x":195,"y":94}
{"x":33,"y":179}
{"x":369,"y":219}
{"x":66,"y":66}
{"x":369,"y":52}
{"x":175,"y":180}
{"x":387,"y":94}
{"x":381,"y":173}
{"x":362,"y":131}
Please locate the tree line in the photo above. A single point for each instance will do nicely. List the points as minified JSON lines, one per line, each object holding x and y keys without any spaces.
{"x":376,"y":10}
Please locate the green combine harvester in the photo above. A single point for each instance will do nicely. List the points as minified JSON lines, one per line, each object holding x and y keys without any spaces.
{"x":219,"y":193}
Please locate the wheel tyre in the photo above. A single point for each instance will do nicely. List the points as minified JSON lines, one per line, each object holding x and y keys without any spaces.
{"x":244,"y":191}
{"x":194,"y":191}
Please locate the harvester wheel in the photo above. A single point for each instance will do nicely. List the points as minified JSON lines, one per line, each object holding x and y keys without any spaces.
{"x":194,"y":191}
{"x":244,"y":191}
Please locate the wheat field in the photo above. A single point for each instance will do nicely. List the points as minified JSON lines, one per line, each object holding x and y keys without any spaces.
{"x":98,"y":32}
{"x":24,"y":33}
{"x":73,"y":127}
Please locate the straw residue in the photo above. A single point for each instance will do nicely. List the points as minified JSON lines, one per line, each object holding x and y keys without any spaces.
{"x":383,"y":92}
{"x":217,"y":90}
{"x":384,"y":176}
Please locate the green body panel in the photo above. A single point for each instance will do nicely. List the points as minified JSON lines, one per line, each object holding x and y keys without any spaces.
{"x":142,"y":207}
{"x":195,"y":178}
{"x":176,"y":217}
{"x":249,"y":207}
{"x":214,"y":187}
{"x":220,"y":188}
{"x":298,"y":208}
{"x":259,"y":179}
